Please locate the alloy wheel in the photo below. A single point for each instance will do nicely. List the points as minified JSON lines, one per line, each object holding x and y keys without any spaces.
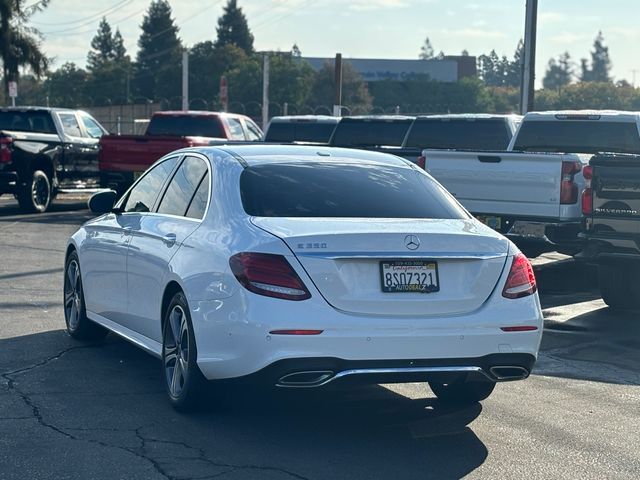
{"x":73,"y":295}
{"x":176,"y":351}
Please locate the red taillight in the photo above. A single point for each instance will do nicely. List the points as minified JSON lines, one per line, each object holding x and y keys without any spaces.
{"x":268,"y":274}
{"x":5,"y":149}
{"x":422,"y":162}
{"x":568,"y":189}
{"x":587,"y":173}
{"x":521,"y":281}
{"x":587,"y":201}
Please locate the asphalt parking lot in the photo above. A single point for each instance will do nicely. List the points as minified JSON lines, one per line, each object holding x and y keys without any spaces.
{"x":70,"y":410}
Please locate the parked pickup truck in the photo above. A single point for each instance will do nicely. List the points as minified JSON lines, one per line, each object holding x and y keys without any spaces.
{"x":466,"y":131}
{"x":45,"y":151}
{"x":532,"y":197}
{"x":301,"y":129}
{"x":124,"y":157}
{"x":611,"y":206}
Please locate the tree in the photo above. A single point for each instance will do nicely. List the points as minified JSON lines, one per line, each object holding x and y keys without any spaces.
{"x":295,"y":51}
{"x":158,"y":62}
{"x":559,"y":73}
{"x":355,"y":93}
{"x":233,"y":28}
{"x":514,"y":68}
{"x":20,"y":44}
{"x":600,"y":63}
{"x":66,"y":86}
{"x":426,"y":51}
{"x":103,"y":46}
{"x":465,"y":53}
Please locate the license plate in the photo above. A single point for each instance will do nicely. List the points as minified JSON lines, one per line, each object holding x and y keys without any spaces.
{"x":492,"y":222}
{"x":406,"y":276}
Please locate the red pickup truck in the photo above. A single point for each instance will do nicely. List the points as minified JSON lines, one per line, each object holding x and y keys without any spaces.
{"x":123,"y":158}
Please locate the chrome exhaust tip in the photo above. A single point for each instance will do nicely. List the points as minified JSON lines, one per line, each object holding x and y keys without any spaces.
{"x":314,"y":378}
{"x":504,"y":373}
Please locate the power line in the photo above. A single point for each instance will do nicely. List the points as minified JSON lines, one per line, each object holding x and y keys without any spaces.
{"x":93,"y":16}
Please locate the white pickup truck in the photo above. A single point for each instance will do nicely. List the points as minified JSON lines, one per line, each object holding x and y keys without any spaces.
{"x":534,"y":198}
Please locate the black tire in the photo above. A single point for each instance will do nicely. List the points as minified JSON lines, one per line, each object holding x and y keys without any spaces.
{"x":75,"y":312}
{"x":183,"y":380}
{"x":619,"y":287}
{"x":462,"y":391}
{"x":35,"y":196}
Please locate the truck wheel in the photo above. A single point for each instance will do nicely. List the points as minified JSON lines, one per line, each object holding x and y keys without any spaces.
{"x":35,"y":196}
{"x":619,"y":287}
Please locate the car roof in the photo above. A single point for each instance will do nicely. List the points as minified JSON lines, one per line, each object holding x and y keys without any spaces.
{"x":470,"y":116}
{"x":257,"y":154}
{"x":36,"y":109}
{"x":382,"y":118}
{"x":195,"y":113}
{"x":305,"y":119}
{"x":609,"y":115}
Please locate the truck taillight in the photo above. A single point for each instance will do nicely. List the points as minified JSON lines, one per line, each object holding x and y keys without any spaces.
{"x":422,"y":162}
{"x":587,"y":201}
{"x":5,"y":149}
{"x":568,"y":188}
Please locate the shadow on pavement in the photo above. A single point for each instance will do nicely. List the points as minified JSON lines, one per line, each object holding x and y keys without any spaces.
{"x":9,"y":207}
{"x":112,"y":395}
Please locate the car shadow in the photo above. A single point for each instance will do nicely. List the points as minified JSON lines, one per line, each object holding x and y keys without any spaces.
{"x":10,"y":208}
{"x":112,"y":395}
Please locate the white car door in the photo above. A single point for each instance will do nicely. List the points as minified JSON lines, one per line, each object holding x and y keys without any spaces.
{"x":104,"y":261}
{"x":178,"y":214}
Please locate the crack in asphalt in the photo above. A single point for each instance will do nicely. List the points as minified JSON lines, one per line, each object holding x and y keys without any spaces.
{"x":140,"y":452}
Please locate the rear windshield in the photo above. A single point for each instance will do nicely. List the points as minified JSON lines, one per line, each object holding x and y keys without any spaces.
{"x":460,"y":134}
{"x":578,"y":136}
{"x":39,"y":122}
{"x":370,"y":133}
{"x":182,"y":125}
{"x":313,"y":132}
{"x":343,"y":190}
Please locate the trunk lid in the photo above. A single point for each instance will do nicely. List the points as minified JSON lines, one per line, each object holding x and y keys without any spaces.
{"x":343,"y":257}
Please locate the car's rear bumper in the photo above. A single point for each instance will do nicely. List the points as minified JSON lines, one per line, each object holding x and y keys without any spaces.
{"x":610,"y":248}
{"x":232,"y":345}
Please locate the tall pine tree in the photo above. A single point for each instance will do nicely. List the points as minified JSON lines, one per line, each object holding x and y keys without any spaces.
{"x":158,"y":62}
{"x":102,"y":45}
{"x":233,"y":28}
{"x":559,"y":72}
{"x":600,"y":63}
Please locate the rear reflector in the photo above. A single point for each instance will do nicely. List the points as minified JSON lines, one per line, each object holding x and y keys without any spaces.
{"x":521,"y":281}
{"x":296,"y":332}
{"x":269,"y":275}
{"x":519,"y":328}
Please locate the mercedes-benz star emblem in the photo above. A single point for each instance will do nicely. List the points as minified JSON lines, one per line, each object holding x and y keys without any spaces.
{"x":411,"y":242}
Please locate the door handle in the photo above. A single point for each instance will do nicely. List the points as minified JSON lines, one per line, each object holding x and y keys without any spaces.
{"x":169,"y":239}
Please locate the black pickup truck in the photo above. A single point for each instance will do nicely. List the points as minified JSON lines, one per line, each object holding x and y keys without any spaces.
{"x":611,"y":207}
{"x":45,"y":151}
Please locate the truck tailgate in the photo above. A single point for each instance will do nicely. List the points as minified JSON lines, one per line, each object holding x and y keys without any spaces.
{"x":503,"y":183}
{"x":616,"y":194}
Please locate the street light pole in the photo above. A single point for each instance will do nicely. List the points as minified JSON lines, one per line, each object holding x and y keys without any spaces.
{"x":527,"y":87}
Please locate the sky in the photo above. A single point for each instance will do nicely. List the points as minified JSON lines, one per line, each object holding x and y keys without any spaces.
{"x":368,"y":28}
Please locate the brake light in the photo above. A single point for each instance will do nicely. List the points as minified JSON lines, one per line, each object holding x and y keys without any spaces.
{"x":568,"y":188}
{"x":296,"y":332}
{"x":422,"y":162}
{"x":587,"y":173}
{"x":268,"y":274}
{"x":519,"y":328}
{"x":587,"y":201}
{"x":521,"y":281}
{"x":5,"y":149}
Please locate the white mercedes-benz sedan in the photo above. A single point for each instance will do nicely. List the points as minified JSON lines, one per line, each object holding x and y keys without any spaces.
{"x":299,"y":267}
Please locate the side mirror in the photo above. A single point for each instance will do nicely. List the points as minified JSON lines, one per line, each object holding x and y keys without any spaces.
{"x":102,"y":202}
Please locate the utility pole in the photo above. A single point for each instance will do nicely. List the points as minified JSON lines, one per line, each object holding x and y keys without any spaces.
{"x":265,"y":91}
{"x":185,"y":80}
{"x":337,"y":85}
{"x":527,"y":87}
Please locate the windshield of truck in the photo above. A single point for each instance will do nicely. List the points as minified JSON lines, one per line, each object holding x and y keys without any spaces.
{"x":314,"y":132}
{"x":578,"y":136}
{"x":186,"y":126}
{"x":459,"y":134}
{"x":37,"y":122}
{"x":370,"y":132}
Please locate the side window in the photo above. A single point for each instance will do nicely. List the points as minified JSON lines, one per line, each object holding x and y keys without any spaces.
{"x":253,"y":132}
{"x":199,"y":201}
{"x":91,"y":126}
{"x":235,"y":127}
{"x":144,"y":194}
{"x":70,"y":124}
{"x":182,"y":187}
